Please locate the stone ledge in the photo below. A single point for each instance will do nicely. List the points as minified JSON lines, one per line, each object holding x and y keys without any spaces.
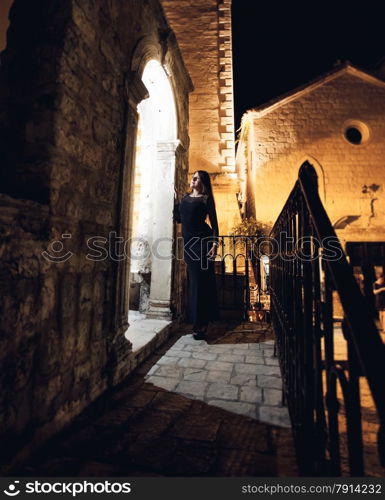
{"x":146,"y":335}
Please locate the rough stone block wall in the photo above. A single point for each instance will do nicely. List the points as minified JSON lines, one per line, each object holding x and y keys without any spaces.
{"x":63,"y":122}
{"x":203,"y":30}
{"x":312,"y":127}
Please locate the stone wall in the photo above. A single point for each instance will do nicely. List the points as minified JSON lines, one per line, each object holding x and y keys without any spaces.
{"x":203,"y":30}
{"x":69,"y":86}
{"x":312,"y":126}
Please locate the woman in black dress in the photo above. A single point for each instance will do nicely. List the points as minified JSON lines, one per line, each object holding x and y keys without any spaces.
{"x":200,"y":250}
{"x":379,"y":292}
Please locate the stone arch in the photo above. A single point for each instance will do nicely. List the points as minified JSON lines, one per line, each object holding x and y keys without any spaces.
{"x":150,"y":48}
{"x":160,"y":46}
{"x":147,"y":48}
{"x":153,"y":187}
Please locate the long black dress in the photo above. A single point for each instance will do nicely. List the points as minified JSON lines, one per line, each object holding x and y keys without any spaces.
{"x":198,"y":238}
{"x":379,"y":297}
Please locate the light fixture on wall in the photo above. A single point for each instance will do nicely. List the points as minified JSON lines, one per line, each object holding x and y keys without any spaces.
{"x":370,"y":190}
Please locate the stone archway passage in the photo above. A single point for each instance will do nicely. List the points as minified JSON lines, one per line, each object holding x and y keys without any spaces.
{"x":151,"y":250}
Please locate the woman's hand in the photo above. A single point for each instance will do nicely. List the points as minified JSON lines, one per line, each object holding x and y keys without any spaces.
{"x":212,"y":252}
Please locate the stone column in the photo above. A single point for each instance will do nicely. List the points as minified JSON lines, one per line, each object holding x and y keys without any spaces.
{"x":136,"y":92}
{"x":162,"y":246}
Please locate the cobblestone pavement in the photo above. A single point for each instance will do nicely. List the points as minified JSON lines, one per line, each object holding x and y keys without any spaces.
{"x":242,"y":378}
{"x":194,"y":408}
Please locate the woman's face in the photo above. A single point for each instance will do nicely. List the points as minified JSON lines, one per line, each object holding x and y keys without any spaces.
{"x":196,"y":183}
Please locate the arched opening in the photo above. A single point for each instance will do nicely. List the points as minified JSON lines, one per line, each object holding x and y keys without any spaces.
{"x":320,"y":174}
{"x":152,"y":230}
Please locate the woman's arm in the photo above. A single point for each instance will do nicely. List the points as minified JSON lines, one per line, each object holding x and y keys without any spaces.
{"x":176,"y":213}
{"x":376,"y":291}
{"x":213,"y":218}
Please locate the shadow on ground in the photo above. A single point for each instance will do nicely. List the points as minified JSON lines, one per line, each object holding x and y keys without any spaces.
{"x":143,"y":430}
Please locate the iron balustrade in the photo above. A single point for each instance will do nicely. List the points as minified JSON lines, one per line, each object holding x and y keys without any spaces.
{"x":237,"y":268}
{"x":305,"y":280}
{"x":364,"y":258}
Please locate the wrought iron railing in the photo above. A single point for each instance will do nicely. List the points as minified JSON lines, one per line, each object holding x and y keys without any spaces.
{"x":238,"y":276}
{"x":367,"y":259}
{"x":309,"y":274}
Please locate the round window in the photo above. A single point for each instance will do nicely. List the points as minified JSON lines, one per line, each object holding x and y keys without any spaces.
{"x":353,"y":135}
{"x":356,"y":132}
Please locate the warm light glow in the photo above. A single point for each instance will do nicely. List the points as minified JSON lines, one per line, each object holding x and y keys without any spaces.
{"x":157,"y":123}
{"x":158,"y":111}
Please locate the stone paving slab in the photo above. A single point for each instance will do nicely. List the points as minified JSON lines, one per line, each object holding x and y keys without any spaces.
{"x":250,"y":394}
{"x":215,"y":375}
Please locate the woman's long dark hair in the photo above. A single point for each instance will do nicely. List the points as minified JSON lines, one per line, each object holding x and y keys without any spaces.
{"x":206,"y":181}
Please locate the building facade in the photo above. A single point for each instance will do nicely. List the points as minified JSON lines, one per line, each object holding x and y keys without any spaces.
{"x":336,"y":123}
